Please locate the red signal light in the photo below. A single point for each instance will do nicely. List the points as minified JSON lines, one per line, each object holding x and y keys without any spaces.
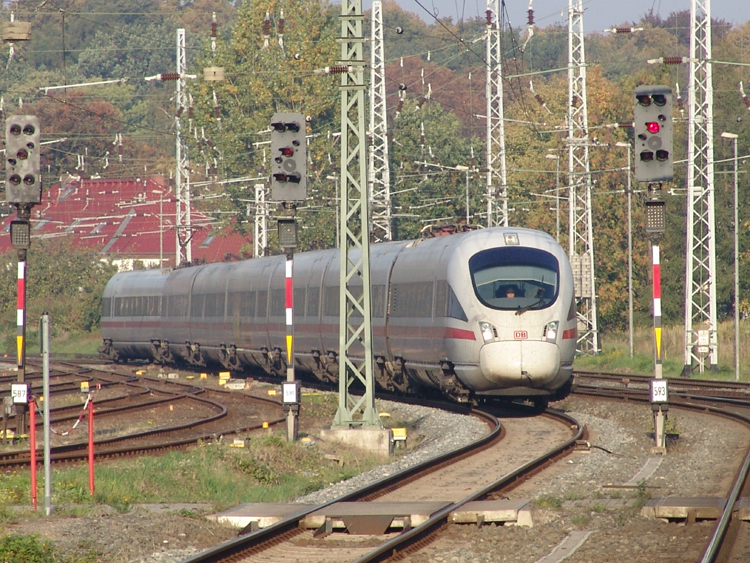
{"x":287,"y":151}
{"x":653,"y":127}
{"x":22,"y":154}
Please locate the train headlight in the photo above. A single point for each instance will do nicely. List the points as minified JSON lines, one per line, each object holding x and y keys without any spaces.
{"x":550,"y":331}
{"x":488,"y":331}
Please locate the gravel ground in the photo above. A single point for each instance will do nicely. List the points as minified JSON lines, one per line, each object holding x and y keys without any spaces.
{"x":573,"y":495}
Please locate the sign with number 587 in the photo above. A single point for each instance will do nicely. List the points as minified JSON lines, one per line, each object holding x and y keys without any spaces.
{"x":659,"y":391}
{"x":19,"y":392}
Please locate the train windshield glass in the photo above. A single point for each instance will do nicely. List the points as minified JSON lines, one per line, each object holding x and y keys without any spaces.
{"x":514,"y":278}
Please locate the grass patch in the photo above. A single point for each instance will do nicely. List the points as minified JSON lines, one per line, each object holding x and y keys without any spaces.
{"x":615,"y":353}
{"x":268,"y":469}
{"x":547,"y":502}
{"x":580,"y":520}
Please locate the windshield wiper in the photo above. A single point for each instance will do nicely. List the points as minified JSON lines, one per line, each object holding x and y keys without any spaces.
{"x":539,"y":294}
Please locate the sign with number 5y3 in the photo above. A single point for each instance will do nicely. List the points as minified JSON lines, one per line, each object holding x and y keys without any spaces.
{"x":659,"y":391}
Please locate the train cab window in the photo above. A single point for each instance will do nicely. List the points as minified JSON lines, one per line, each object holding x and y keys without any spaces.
{"x":513,"y":278}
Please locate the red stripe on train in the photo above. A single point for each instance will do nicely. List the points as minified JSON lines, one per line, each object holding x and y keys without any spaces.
{"x":569,"y":333}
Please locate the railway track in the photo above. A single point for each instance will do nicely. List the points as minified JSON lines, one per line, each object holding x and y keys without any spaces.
{"x":192,"y":413}
{"x":727,"y":399}
{"x":479,"y":471}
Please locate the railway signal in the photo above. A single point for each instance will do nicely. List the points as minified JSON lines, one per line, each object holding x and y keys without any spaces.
{"x":654,"y":160}
{"x":288,"y":157}
{"x":23,"y":180}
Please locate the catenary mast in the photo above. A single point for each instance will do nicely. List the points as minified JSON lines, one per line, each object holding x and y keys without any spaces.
{"x":701,"y":338}
{"x":581,"y":240}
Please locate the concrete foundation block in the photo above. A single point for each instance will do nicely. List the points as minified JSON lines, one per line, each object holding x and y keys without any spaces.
{"x":378,"y":441}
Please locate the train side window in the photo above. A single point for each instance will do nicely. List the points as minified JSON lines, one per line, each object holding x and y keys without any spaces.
{"x":278,"y":302}
{"x":455,"y":311}
{"x":572,"y":310}
{"x":446,"y":302}
{"x":412,"y":299}
{"x":106,"y":306}
{"x":313,"y":301}
{"x":262,"y":308}
{"x":196,"y":305}
{"x":299,"y":302}
{"x":246,"y":306}
{"x":331,"y":306}
{"x":378,"y":301}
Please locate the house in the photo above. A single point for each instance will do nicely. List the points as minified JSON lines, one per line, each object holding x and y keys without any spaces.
{"x":130,"y":222}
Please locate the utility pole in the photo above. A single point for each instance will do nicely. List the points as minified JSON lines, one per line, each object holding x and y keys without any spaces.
{"x":497,"y":196}
{"x":260,"y":223}
{"x":581,"y":238}
{"x":701,"y":328}
{"x":356,"y":360}
{"x":379,"y":172}
{"x":183,"y":227}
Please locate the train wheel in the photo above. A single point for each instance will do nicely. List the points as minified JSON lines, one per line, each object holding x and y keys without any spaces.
{"x":540,"y":403}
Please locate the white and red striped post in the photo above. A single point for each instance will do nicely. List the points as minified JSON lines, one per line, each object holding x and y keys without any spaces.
{"x":292,"y":413}
{"x":20,"y":339}
{"x":656,"y":265}
{"x":658,"y":408}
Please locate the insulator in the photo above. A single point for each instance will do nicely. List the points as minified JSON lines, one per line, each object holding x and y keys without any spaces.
{"x":400,"y":105}
{"x":539,"y":99}
{"x":266,"y":27}
{"x":623,"y":30}
{"x":179,"y":112}
{"x":421,"y":102}
{"x":336,"y":69}
{"x":190,"y":112}
{"x":489,"y":17}
{"x":673,"y":60}
{"x":164,"y":76}
{"x":531,"y":17}
{"x":217,"y":112}
{"x":280,"y":29}
{"x":213,"y":29}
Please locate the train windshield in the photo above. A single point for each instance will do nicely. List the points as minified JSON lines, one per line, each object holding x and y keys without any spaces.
{"x":514,"y":278}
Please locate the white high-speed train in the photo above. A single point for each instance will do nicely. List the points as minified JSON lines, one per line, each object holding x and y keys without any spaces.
{"x":482,"y":314}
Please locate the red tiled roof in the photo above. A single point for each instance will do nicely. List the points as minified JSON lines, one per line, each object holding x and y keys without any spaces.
{"x":123,"y":218}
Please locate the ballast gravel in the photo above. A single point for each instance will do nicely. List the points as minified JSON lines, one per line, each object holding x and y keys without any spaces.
{"x":443,"y":432}
{"x":581,"y":492}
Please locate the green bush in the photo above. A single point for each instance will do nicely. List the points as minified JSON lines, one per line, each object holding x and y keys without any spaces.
{"x":25,"y":549}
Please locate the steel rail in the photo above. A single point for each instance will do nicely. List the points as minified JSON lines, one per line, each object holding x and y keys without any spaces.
{"x":713,"y":549}
{"x":247,"y":544}
{"x":289,"y":526}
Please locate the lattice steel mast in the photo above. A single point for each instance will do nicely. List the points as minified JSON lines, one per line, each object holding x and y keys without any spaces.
{"x":581,"y":239}
{"x":183,"y":227}
{"x":379,"y":172}
{"x":260,"y":223}
{"x":497,"y":196}
{"x":700,"y":263}
{"x":356,"y":361}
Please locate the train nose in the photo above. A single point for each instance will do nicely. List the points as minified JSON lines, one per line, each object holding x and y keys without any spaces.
{"x":520,"y":362}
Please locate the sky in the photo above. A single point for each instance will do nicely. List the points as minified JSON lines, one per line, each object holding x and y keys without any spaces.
{"x":599,"y":14}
